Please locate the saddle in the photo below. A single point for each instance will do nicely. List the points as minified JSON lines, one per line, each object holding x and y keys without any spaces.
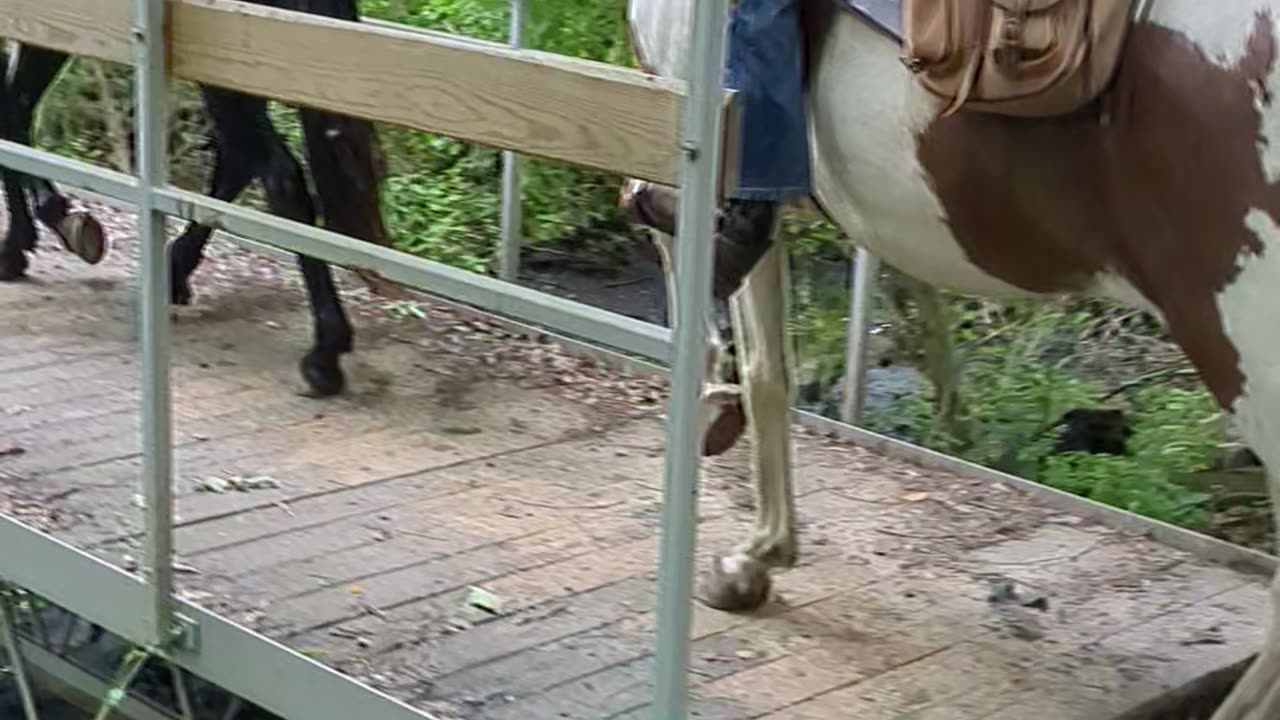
{"x":1026,"y":58}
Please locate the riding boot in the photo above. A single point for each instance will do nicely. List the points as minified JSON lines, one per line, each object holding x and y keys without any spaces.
{"x":744,"y":235}
{"x":744,"y":232}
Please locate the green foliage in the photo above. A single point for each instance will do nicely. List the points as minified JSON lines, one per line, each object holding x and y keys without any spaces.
{"x":443,"y":196}
{"x":1020,"y":377}
{"x":1177,"y":432}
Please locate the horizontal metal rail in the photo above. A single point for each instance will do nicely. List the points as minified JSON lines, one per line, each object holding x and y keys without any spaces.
{"x":82,"y":687}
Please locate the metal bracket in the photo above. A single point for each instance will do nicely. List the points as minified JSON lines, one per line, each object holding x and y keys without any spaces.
{"x":184,"y":635}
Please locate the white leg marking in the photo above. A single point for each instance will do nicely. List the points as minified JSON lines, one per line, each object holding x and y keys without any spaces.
{"x":760,"y":323}
{"x":741,"y":580}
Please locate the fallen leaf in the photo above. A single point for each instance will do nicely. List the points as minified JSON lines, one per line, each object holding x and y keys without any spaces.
{"x":483,"y":599}
{"x":259,"y":482}
{"x":1208,"y":636}
{"x":454,"y":430}
{"x":213,"y":485}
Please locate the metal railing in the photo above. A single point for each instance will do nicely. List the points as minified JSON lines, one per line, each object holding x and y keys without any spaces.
{"x":144,"y":610}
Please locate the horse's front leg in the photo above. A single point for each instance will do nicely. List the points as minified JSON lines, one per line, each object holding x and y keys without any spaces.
{"x":247,"y":136}
{"x":1257,"y":695}
{"x":740,"y":581}
{"x":723,"y":418}
{"x":232,"y":173}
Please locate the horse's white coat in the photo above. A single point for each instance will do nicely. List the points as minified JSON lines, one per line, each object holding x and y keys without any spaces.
{"x":1221,"y":29}
{"x":864,"y":112}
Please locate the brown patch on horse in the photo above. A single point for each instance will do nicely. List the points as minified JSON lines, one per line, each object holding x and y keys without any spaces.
{"x":1156,"y":190}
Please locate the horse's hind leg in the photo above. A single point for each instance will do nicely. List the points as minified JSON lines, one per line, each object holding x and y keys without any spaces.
{"x":245,"y":132}
{"x":347,"y":167}
{"x":21,"y":235}
{"x":32,"y":73}
{"x":19,"y":93}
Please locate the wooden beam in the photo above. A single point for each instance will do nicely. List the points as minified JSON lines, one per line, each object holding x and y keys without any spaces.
{"x":554,"y":107}
{"x":78,"y":27}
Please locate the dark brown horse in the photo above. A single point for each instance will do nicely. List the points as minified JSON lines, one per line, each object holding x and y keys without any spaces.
{"x":342,"y":153}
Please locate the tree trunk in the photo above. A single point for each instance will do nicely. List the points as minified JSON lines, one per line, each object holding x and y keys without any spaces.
{"x":113,"y":118}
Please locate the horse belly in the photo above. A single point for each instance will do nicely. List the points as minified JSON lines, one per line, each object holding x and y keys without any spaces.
{"x":864,"y":112}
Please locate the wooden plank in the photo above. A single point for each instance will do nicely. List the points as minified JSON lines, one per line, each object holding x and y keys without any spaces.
{"x":539,"y":104}
{"x":80,"y":27}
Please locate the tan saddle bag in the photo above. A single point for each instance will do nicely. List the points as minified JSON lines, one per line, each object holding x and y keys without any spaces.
{"x":1028,"y":58}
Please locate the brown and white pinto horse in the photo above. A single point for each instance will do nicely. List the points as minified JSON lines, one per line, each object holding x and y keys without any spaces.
{"x":1165,"y":195}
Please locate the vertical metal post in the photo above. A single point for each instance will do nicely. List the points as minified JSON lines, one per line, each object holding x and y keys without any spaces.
{"x":699,"y":185}
{"x":865,"y":270}
{"x":149,"y":41}
{"x":8,"y":628}
{"x":512,"y":164}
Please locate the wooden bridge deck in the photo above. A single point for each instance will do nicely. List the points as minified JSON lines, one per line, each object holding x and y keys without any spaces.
{"x":466,"y":457}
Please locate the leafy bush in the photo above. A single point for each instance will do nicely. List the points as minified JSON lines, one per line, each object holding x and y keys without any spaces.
{"x":1021,"y":376}
{"x":443,"y":196}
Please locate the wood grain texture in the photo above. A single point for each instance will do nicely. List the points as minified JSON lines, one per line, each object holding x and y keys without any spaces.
{"x":543,"y":105}
{"x":80,"y":27}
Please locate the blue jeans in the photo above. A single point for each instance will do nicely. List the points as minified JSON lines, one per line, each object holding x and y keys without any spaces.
{"x":765,"y":65}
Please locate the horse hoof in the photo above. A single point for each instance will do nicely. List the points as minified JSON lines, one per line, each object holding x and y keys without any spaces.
{"x":13,"y":268}
{"x":736,"y":584}
{"x":180,"y":294}
{"x":725,"y":431}
{"x":323,"y":375}
{"x":83,"y":235}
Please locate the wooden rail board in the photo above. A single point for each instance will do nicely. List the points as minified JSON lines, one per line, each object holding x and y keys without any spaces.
{"x":465,"y":457}
{"x":540,"y":104}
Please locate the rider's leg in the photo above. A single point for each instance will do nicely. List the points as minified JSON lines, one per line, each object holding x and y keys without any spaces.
{"x":765,"y":65}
